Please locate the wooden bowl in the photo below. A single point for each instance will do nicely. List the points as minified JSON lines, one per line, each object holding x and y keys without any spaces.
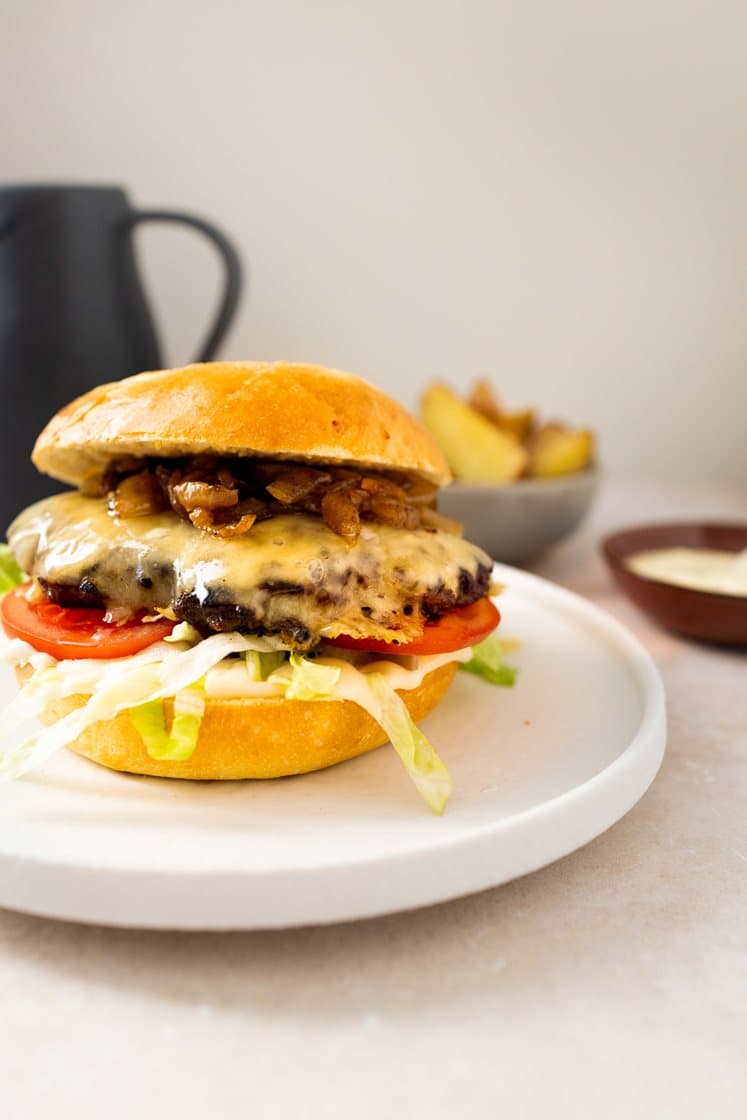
{"x":706,"y":615}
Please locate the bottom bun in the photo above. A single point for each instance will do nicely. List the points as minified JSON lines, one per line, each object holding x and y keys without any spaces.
{"x":254,"y":738}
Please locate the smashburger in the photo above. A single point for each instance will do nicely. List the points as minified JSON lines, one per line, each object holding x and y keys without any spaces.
{"x":251,"y":579}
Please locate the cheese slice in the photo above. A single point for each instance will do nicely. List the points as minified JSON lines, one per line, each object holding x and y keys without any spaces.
{"x":289,"y":567}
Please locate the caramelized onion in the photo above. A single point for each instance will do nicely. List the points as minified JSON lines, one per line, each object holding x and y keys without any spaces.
{"x":388,"y":511}
{"x":137,"y":496}
{"x":226,"y":496}
{"x":385,"y":488}
{"x":340,"y":515}
{"x":419,"y":491}
{"x":92,"y":484}
{"x":432,"y":519}
{"x":204,"y":519}
{"x":296,"y":484}
{"x":201,"y":495}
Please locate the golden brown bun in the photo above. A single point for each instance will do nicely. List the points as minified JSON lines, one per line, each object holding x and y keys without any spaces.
{"x":279,"y":409}
{"x":254,"y":738}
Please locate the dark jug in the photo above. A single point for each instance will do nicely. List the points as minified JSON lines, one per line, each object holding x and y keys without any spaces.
{"x":73,"y":313}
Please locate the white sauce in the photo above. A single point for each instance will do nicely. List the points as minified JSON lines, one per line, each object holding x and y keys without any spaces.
{"x":700,"y":569}
{"x":229,"y":680}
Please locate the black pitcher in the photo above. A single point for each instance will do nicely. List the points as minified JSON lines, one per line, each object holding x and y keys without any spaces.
{"x":73,"y":313}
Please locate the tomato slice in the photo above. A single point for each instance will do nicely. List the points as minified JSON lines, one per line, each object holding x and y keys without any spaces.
{"x":460,"y":627}
{"x":73,"y":632}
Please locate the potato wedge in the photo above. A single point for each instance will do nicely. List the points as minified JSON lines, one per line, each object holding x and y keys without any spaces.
{"x":475,"y":449}
{"x":520,"y":424}
{"x":483,"y":400}
{"x":555,"y":450}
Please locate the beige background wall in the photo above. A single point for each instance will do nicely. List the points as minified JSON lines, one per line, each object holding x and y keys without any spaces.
{"x":555,"y":193}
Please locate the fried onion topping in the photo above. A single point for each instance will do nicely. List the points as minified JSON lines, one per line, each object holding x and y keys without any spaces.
{"x":225,"y":497}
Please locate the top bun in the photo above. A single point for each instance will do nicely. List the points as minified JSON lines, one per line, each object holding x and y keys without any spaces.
{"x":277,"y":410}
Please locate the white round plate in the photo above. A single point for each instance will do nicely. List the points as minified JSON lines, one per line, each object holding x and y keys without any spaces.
{"x":539,"y":770}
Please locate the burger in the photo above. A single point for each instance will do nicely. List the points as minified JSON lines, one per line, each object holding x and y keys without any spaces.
{"x":250,"y":579}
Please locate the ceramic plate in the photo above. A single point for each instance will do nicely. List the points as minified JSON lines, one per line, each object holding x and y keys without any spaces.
{"x":539,"y":770}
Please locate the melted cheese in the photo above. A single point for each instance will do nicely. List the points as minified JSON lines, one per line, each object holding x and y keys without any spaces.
{"x":290,"y":566}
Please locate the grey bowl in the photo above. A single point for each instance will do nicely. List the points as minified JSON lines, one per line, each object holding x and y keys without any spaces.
{"x":517,"y":522}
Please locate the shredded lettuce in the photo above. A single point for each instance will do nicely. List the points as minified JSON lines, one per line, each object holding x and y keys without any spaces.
{"x":184,"y":632}
{"x":189,"y":708}
{"x":487,"y":662}
{"x":179,"y":744}
{"x":150,"y":723}
{"x":259,"y":665}
{"x":310,"y":681}
{"x":10,"y":574}
{"x":112,"y":687}
{"x":141,"y":683}
{"x":419,"y":756}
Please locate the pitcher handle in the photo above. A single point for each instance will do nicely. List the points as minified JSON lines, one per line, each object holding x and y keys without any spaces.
{"x":233,"y":277}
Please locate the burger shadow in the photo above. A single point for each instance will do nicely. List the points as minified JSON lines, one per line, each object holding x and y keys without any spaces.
{"x":363,"y":972}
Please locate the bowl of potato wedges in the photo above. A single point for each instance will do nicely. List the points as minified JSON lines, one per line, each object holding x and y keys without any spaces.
{"x":521,"y":484}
